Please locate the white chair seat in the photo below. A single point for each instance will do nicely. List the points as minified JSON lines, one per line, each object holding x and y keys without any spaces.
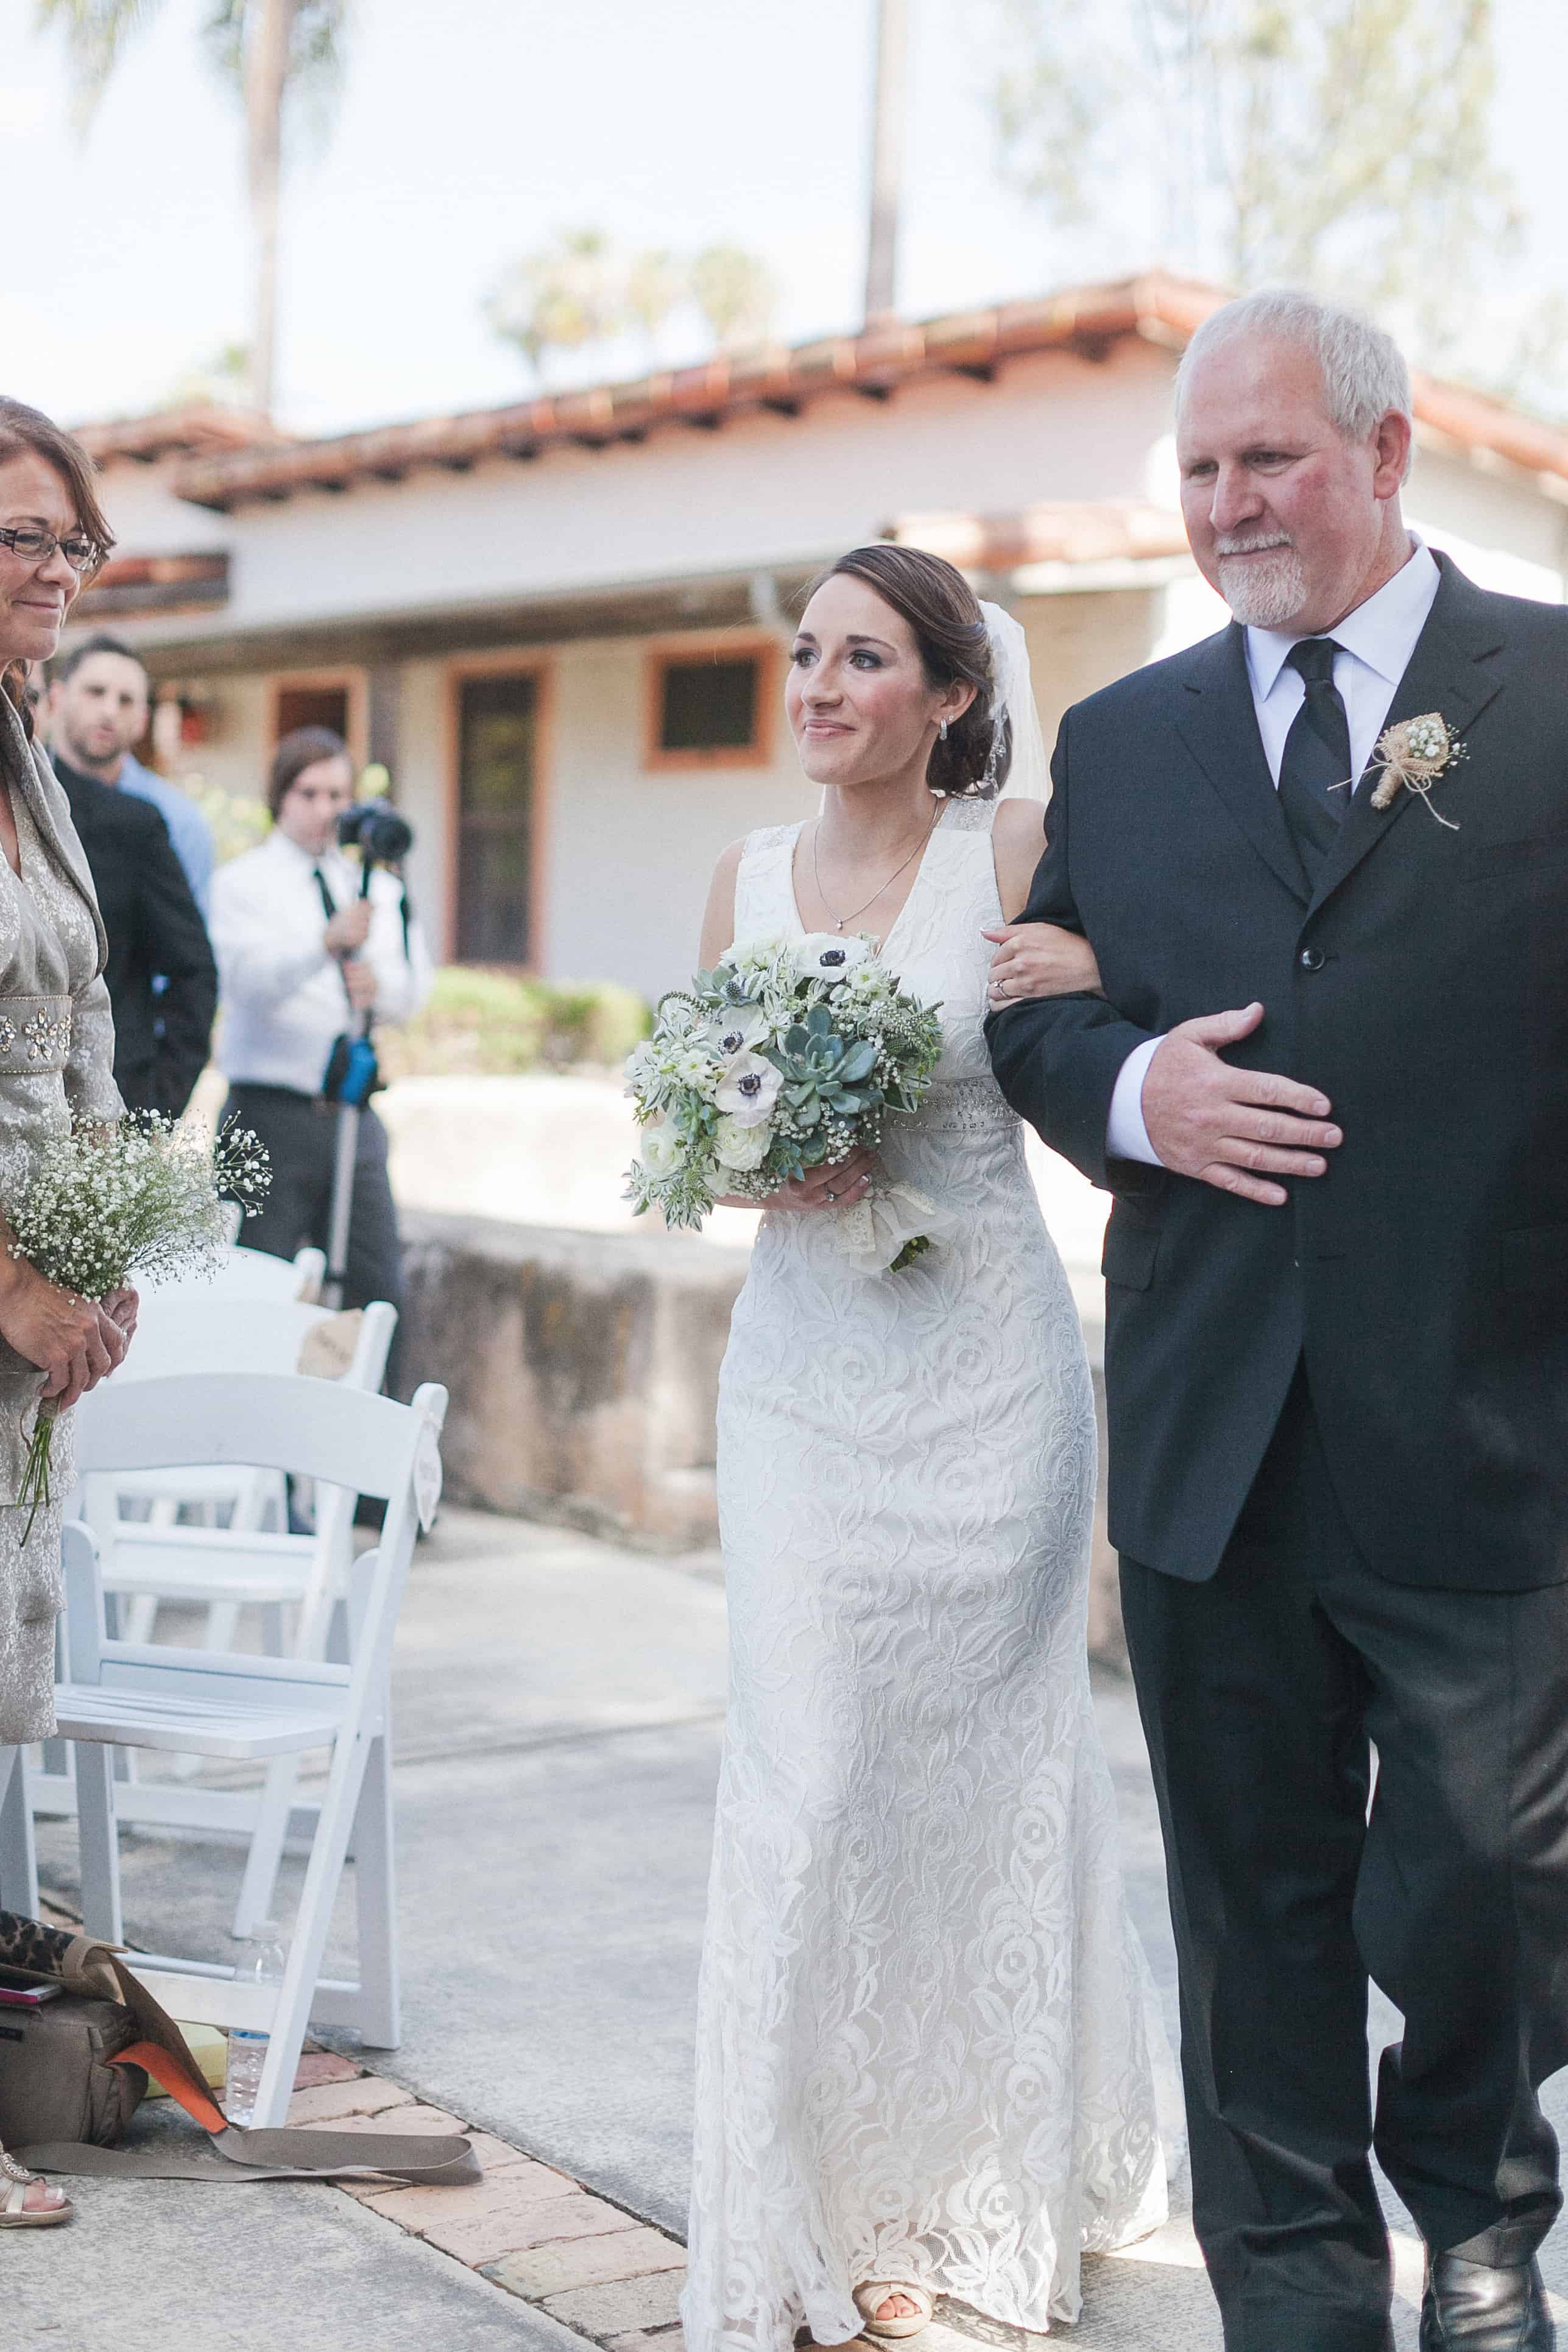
{"x":183,"y":1725}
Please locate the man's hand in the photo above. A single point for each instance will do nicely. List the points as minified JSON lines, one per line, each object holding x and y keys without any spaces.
{"x":359,"y":978}
{"x":1232,"y":1128}
{"x":349,"y":928}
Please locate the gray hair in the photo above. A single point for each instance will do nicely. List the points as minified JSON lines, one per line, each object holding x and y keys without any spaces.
{"x":1364,"y":371}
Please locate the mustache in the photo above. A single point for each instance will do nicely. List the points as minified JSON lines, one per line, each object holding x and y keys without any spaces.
{"x":1233,"y":545}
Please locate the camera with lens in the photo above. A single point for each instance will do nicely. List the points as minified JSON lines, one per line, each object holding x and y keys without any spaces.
{"x":375,"y":829}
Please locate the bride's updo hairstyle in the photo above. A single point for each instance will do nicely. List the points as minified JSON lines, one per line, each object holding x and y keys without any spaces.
{"x":949,"y":627}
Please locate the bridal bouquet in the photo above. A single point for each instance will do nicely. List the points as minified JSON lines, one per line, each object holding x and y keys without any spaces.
{"x":106,"y":1204}
{"x":789,"y":1055}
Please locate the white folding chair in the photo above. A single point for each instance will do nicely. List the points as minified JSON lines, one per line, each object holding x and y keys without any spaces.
{"x":145,"y":1561}
{"x":257,"y":1274}
{"x":243,"y":1564}
{"x":223,"y":1706}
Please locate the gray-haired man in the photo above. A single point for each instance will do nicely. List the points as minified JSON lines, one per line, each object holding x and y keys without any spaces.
{"x":1327,"y":1084}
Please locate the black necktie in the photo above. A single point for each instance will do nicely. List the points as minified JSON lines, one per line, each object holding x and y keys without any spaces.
{"x":1315,"y":781}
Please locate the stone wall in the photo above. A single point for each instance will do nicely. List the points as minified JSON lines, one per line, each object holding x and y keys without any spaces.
{"x":583,"y":1372}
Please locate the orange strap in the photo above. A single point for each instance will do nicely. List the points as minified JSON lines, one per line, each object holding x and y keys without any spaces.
{"x":166,"y":2071}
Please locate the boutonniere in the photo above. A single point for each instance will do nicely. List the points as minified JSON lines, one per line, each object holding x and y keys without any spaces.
{"x":1412,"y":755}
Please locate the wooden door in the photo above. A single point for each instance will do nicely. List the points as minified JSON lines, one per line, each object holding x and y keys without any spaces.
{"x":497,"y":722}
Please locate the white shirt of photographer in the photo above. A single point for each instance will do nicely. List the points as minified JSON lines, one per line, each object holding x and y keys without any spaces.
{"x":283,"y":993}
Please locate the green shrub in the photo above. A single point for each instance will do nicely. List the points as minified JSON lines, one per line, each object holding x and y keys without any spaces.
{"x":498,"y":1023}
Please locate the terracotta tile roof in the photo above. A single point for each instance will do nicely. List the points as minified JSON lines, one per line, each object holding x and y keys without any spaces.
{"x":199,"y":429}
{"x":1108,"y":531}
{"x":1085,"y":319}
{"x":234,"y":461}
{"x":156,"y":583}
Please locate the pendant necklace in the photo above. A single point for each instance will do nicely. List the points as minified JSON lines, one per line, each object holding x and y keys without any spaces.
{"x":839,"y":920}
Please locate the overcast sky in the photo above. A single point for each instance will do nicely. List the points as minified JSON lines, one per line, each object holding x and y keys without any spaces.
{"x":469,"y":131}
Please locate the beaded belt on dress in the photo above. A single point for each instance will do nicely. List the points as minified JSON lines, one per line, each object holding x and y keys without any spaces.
{"x":35,"y":1036}
{"x":967,"y":1106}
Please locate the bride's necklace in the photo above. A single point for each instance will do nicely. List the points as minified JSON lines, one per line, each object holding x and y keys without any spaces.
{"x":839,"y":920}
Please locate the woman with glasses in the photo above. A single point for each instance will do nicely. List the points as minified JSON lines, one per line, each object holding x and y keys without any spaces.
{"x":57,"y":1054}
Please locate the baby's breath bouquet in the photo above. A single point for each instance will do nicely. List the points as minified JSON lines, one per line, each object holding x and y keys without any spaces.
{"x":789,"y":1055}
{"x":107,"y":1204}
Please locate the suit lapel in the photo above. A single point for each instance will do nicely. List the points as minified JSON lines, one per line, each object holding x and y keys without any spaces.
{"x":1447,"y":672}
{"x":1219,"y":725}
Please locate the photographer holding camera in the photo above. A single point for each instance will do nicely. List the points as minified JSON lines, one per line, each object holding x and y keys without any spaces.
{"x":309,"y":949}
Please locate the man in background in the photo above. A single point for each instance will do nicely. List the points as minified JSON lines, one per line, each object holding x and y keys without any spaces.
{"x":162,"y":979}
{"x":98,"y":707}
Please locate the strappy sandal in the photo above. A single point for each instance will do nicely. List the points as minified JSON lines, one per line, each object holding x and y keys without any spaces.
{"x":872,"y":2293}
{"x":15,"y":2211}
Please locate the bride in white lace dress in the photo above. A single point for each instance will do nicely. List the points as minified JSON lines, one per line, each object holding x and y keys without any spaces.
{"x":922,"y":2064}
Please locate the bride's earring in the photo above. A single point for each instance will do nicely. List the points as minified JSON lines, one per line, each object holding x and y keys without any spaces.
{"x":941,"y":730}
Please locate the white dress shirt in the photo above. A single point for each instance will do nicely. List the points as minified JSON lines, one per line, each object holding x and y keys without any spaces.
{"x":282,"y":994}
{"x":1376,"y":642}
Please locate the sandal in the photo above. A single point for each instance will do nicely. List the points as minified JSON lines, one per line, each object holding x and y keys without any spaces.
{"x":15,"y":2213}
{"x":870,"y":2296}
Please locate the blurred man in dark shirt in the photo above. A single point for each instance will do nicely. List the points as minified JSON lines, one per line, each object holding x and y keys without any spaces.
{"x":153,"y":927}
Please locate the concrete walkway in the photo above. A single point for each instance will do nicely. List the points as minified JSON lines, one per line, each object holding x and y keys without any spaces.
{"x":558,"y":1706}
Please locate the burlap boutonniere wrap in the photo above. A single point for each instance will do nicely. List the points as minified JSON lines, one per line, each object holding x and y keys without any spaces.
{"x":1412,"y":756}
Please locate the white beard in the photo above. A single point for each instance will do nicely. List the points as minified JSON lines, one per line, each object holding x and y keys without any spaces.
{"x":1264,"y":592}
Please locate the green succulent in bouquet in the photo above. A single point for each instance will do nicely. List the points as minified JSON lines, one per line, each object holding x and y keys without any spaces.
{"x":786,"y":1056}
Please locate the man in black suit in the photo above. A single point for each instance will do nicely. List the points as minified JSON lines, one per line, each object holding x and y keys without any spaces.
{"x":155,"y":932}
{"x":1326,"y":1082}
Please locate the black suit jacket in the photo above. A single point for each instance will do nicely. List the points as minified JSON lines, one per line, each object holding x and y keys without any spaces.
{"x":1423,"y":987}
{"x":154,"y":927}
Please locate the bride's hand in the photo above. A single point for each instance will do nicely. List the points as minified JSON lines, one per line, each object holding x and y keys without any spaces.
{"x":1040,"y":959}
{"x":839,"y":1186}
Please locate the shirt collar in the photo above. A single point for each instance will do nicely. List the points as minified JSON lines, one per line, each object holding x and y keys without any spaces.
{"x":1381,"y":633}
{"x":291,"y":852}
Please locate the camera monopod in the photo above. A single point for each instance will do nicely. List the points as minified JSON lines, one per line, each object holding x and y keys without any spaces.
{"x":381,"y":838}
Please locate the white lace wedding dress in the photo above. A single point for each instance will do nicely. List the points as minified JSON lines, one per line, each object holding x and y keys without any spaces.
{"x":922,"y":2047}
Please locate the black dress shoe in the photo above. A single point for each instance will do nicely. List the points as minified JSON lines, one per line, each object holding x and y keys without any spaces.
{"x":1470,"y":2307}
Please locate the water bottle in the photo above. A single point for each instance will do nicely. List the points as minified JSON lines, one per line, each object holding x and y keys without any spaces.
{"x":260,"y":1963}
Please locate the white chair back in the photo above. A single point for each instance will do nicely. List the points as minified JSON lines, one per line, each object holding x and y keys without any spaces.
{"x":316,"y":1429}
{"x":256,"y":1274}
{"x":191,"y":1331}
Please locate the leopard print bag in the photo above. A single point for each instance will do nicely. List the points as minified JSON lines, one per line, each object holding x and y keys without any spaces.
{"x":62,"y":2076}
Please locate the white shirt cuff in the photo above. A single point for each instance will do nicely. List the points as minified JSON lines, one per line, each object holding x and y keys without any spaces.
{"x":1126,"y":1137}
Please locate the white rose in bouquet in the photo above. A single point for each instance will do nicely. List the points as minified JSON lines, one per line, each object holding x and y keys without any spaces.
{"x":739,"y":1148}
{"x":749,"y":1089}
{"x":659,"y":1149}
{"x":825,"y":955}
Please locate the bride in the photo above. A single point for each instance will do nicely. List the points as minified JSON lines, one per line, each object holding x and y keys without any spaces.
{"x":922,"y":2063}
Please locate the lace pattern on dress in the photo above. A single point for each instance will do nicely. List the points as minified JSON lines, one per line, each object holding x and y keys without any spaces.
{"x":920,"y":2048}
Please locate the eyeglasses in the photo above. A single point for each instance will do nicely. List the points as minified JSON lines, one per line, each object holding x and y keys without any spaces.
{"x":83,"y":554}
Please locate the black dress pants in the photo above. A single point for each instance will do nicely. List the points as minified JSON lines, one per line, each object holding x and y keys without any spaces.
{"x":1263,"y":1693}
{"x":300,"y":1133}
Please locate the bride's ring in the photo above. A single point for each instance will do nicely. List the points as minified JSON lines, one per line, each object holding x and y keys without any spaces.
{"x":831,"y":1195}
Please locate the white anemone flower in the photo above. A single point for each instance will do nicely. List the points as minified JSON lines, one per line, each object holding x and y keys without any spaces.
{"x":826,"y":955}
{"x":743,"y":1148}
{"x":749,"y":1089}
{"x":736,"y":1030}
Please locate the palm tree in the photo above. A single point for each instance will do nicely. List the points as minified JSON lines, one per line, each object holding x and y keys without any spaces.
{"x":273,"y":50}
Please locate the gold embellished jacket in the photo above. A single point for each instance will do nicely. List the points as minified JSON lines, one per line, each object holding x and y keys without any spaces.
{"x":57,"y":1033}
